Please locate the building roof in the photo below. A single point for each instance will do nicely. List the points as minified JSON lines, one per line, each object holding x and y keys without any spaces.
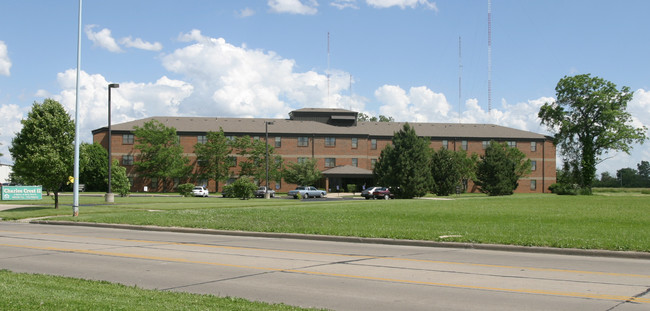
{"x":256,"y":126}
{"x":348,"y":170}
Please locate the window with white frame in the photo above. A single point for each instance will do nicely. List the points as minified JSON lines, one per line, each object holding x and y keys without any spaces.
{"x":330,"y":162}
{"x":302,"y":159}
{"x":533,"y":184}
{"x":303,"y":141}
{"x":512,"y":143}
{"x":278,"y":142}
{"x":127,"y":139}
{"x":533,"y":165}
{"x":373,"y":144}
{"x":533,"y":146}
{"x":463,"y":145}
{"x":355,"y":162}
{"x":127,"y":159}
{"x":373,"y":162}
{"x":202,"y":139}
{"x":355,"y":143}
{"x":330,"y":141}
{"x":485,"y":144}
{"x":445,"y":144}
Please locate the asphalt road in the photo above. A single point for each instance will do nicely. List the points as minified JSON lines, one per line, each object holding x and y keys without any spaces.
{"x":334,"y":275}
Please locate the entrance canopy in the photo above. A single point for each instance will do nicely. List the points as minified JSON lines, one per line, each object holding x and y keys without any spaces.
{"x":343,"y":175}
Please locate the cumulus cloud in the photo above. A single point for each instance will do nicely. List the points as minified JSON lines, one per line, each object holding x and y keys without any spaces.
{"x":102,"y":39}
{"x":402,"y":4}
{"x":140,"y":44}
{"x":294,"y":6}
{"x":420,"y":104}
{"x":247,"y":12}
{"x":5,"y":62}
{"x":344,"y":4}
{"x":10,"y":117}
{"x":236,"y":81}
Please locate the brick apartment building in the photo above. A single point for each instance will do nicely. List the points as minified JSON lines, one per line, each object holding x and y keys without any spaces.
{"x":345,"y":150}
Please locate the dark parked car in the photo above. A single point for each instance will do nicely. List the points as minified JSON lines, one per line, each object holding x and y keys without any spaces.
{"x":383,"y":193}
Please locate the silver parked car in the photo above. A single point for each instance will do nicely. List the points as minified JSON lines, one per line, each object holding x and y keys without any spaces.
{"x":369,"y":192}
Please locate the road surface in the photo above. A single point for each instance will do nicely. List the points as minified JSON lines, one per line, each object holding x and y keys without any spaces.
{"x":334,"y":275}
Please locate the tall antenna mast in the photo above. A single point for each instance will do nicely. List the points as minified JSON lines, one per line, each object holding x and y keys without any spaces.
{"x":460,"y":77}
{"x":489,"y":56}
{"x":328,"y":68}
{"x":351,"y":94}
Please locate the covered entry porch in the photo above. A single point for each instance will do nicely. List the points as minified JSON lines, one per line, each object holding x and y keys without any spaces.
{"x":338,"y":178}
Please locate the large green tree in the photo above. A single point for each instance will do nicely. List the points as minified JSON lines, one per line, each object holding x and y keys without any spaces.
{"x":302,"y":173}
{"x":43,"y":150}
{"x":161,"y":155}
{"x":445,"y":171}
{"x":252,"y":153}
{"x":212,"y":157}
{"x":500,"y":168}
{"x":589,"y":118}
{"x":93,"y":167}
{"x":404,"y":165}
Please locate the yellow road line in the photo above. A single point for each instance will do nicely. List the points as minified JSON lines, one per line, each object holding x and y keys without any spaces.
{"x":350,"y":276}
{"x":354,"y":256}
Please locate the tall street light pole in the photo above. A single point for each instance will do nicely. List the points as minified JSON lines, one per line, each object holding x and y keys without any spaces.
{"x":110,"y":197}
{"x":266,"y":192}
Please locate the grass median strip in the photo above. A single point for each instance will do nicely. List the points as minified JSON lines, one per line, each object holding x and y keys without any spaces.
{"x":22,"y":291}
{"x":620,"y":222}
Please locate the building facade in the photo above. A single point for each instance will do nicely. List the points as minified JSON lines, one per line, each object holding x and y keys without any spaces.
{"x":345,"y":150}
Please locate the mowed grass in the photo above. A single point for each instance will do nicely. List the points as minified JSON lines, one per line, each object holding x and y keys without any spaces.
{"x":612,"y":222}
{"x":21,"y":291}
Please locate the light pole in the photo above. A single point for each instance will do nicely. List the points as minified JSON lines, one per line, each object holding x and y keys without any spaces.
{"x":266,"y":191}
{"x":109,"y":195}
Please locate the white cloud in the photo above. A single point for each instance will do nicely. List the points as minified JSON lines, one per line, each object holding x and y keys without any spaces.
{"x":344,"y":4}
{"x":420,"y":104}
{"x":294,"y":6}
{"x":140,"y":44}
{"x":5,"y":62}
{"x":10,"y":117}
{"x":402,"y":4}
{"x":247,"y":12}
{"x":235,"y":81}
{"x":102,"y":39}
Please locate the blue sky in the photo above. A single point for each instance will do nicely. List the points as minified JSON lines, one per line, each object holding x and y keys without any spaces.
{"x":265,"y":58}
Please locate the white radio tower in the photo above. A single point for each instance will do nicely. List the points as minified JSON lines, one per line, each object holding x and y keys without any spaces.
{"x":460,"y":75}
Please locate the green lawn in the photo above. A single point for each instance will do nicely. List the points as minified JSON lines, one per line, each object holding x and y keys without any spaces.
{"x":613,"y":221}
{"x":21,"y":291}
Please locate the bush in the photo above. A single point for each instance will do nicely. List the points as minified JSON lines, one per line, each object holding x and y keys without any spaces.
{"x":243,"y":188}
{"x":645,"y":191}
{"x":563,"y":189}
{"x":352,"y":188}
{"x":185,"y":189}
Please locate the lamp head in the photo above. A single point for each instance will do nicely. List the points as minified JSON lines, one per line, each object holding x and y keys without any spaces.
{"x":113,"y":85}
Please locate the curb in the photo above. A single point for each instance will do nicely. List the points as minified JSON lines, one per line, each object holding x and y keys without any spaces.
{"x":330,"y":238}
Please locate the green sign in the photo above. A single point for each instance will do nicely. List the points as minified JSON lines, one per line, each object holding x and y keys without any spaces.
{"x":22,"y":193}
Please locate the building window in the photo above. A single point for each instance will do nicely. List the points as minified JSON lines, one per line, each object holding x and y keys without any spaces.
{"x":278,"y":142}
{"x":533,"y":165}
{"x":178,"y":139}
{"x":302,"y":160}
{"x":533,"y":146}
{"x":533,"y":185}
{"x":485,"y":144}
{"x":463,"y":145}
{"x":355,"y":143}
{"x":303,"y":141}
{"x":330,"y":162}
{"x":373,"y":162}
{"x":203,"y":182}
{"x":176,"y":182}
{"x":355,"y":162}
{"x":202,"y":139}
{"x":233,"y":161}
{"x":230,"y":138}
{"x":512,"y":143}
{"x":127,"y":159}
{"x":256,"y":138}
{"x":127,"y":139}
{"x":373,"y":144}
{"x":445,"y":144}
{"x":201,"y":162}
{"x":154,"y":184}
{"x":330,"y":141}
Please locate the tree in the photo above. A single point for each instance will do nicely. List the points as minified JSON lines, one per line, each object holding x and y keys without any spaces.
{"x":243,"y":188}
{"x":500,"y":168}
{"x":212,"y":158}
{"x":607,"y":180}
{"x":253,"y":155}
{"x":644,"y":173}
{"x":43,"y":150}
{"x":161,"y":155}
{"x":589,"y":118}
{"x":404,"y":165}
{"x":93,"y":166}
{"x":445,"y":171}
{"x":382,"y":118}
{"x":628,"y":178}
{"x":302,"y":173}
{"x":120,"y":182}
